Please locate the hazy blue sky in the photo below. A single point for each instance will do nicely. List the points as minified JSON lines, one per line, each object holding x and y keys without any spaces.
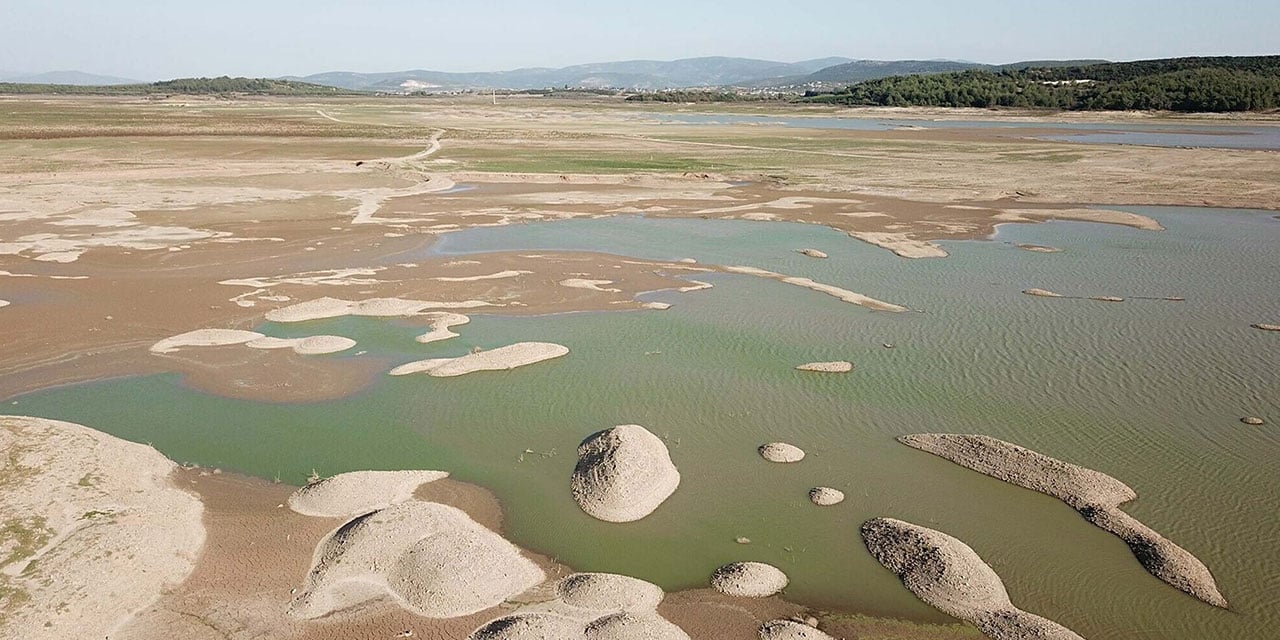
{"x":153,"y":39}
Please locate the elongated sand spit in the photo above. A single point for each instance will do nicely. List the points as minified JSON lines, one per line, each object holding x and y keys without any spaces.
{"x":623,"y":474}
{"x":1094,"y":494}
{"x":813,"y":253}
{"x":1042,"y":293}
{"x":840,"y":366}
{"x":432,"y":559}
{"x":322,"y":308}
{"x":359,"y":492}
{"x":441,"y":327}
{"x":901,"y":244}
{"x":1266,"y":327}
{"x":949,"y":576}
{"x":842,"y":294}
{"x":511,"y":356}
{"x":95,"y":530}
{"x":309,"y":346}
{"x":790,"y":630}
{"x":205,"y":338}
{"x":749,"y":580}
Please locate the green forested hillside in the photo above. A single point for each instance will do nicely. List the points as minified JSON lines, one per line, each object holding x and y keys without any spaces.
{"x":1175,"y":84}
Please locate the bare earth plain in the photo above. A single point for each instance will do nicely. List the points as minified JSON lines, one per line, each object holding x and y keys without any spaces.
{"x":124,"y":222}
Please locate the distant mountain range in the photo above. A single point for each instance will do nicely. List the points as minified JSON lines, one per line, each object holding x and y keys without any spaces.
{"x":645,"y":75}
{"x":74,"y":78}
{"x":630,"y":74}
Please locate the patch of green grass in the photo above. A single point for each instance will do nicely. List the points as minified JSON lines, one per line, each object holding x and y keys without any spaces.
{"x":22,"y":537}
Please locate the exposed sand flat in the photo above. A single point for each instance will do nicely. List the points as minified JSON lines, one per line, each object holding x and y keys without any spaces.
{"x":359,"y":492}
{"x":322,"y":308}
{"x":949,"y":576}
{"x":901,"y":244}
{"x":592,"y":285}
{"x":432,"y":559}
{"x":308,"y":346}
{"x":1266,"y":327}
{"x":328,"y":277}
{"x":813,"y":253}
{"x":749,"y":580}
{"x":831,"y":290}
{"x":441,"y":323}
{"x":1042,"y":293}
{"x":790,"y":630}
{"x":95,"y":529}
{"x":840,"y":366}
{"x":623,"y":474}
{"x":1094,"y":494}
{"x":205,"y":338}
{"x":1108,"y":216}
{"x":826,"y":496}
{"x":511,"y":356}
{"x":501,"y":275}
{"x":781,"y":452}
{"x":657,"y":306}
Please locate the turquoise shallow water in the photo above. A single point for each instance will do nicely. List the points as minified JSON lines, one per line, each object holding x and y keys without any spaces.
{"x":1148,"y":391}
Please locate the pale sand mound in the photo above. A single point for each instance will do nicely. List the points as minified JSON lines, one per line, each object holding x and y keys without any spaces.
{"x":749,"y":580}
{"x":949,"y":576}
{"x":1094,"y":494}
{"x":1266,"y":327}
{"x":441,"y":323}
{"x":790,"y":630}
{"x":309,"y":346}
{"x":826,"y":496}
{"x":101,"y":530}
{"x":840,"y":366}
{"x":1087,"y":215}
{"x":623,"y":474}
{"x":4,"y":303}
{"x":500,"y":359}
{"x":1043,"y":293}
{"x":781,"y":452}
{"x":608,"y":592}
{"x":1107,"y":298}
{"x":1253,"y":421}
{"x":813,"y":253}
{"x":322,"y":308}
{"x":433,"y":559}
{"x":359,"y":492}
{"x":630,"y":626}
{"x":205,"y":338}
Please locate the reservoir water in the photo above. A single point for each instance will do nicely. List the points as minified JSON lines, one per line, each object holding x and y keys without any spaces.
{"x":1149,"y":391}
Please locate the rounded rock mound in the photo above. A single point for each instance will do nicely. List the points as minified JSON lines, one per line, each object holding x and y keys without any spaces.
{"x":529,"y":626}
{"x":630,"y":626}
{"x":826,"y":496}
{"x":1253,"y":421}
{"x":1266,"y":327}
{"x":608,"y":592}
{"x":749,"y":580}
{"x":1042,"y":293}
{"x":813,"y":253}
{"x":790,"y":630}
{"x":623,"y":474}
{"x":781,"y":452}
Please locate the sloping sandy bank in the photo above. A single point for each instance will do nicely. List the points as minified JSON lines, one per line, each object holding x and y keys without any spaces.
{"x":359,"y":492}
{"x":949,"y":576}
{"x":511,"y":356}
{"x":103,"y":529}
{"x":431,"y":558}
{"x":1094,"y":494}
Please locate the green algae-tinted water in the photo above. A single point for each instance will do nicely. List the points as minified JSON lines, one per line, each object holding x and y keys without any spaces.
{"x":1148,"y":391}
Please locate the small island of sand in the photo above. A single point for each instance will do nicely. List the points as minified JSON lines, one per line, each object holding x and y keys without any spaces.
{"x":749,"y":580}
{"x":949,"y":576}
{"x":1096,"y":495}
{"x":511,"y":356}
{"x":840,"y":366}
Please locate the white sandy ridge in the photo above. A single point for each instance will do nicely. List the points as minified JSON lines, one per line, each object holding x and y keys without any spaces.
{"x":831,"y":290}
{"x":109,"y":528}
{"x":441,"y":323}
{"x":311,"y":345}
{"x":322,"y":308}
{"x":511,"y":356}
